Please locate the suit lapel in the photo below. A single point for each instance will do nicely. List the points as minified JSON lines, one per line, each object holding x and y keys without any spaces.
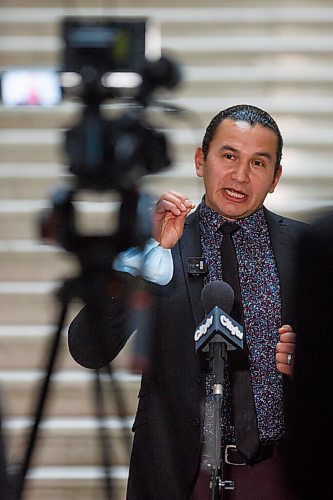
{"x":190,"y":246}
{"x":284,"y":253}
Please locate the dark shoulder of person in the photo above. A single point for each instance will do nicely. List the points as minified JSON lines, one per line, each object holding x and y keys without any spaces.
{"x":310,"y":412}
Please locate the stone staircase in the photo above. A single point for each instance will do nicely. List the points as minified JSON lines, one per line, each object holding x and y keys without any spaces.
{"x":277,"y":55}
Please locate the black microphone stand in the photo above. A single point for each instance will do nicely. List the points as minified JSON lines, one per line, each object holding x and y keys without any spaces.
{"x":218,"y":356}
{"x":217,"y":334}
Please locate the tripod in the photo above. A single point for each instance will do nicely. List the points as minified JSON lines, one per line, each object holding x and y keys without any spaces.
{"x":18,"y":481}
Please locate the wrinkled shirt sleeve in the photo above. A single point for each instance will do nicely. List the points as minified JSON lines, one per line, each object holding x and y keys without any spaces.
{"x":154,"y":263}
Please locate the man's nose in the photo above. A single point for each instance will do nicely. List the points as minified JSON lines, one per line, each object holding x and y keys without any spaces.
{"x":241,"y":172}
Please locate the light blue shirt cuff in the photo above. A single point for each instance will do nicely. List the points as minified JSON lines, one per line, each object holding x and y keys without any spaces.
{"x":154,"y":263}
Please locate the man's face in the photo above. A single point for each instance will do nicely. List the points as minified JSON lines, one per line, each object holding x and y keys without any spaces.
{"x":238,"y":172}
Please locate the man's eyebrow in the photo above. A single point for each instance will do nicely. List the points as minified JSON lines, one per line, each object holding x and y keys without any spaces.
{"x":227,"y":147}
{"x":265,"y":154}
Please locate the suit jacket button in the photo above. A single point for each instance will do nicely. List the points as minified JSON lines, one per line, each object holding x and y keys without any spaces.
{"x":196,"y":422}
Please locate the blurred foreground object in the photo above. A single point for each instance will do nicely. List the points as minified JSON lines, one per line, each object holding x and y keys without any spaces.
{"x":310,"y":405}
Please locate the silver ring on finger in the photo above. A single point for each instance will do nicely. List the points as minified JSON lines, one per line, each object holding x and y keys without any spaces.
{"x":289,"y":358}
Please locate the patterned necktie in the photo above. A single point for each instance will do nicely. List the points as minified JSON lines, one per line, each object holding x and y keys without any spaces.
{"x":243,"y":408}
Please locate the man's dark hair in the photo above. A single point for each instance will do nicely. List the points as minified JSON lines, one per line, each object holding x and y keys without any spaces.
{"x":245,"y":113}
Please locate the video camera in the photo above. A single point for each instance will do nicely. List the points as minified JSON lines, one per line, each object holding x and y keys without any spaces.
{"x":104,"y":59}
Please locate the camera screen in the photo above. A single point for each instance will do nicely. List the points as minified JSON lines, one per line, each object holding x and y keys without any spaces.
{"x":109,"y":45}
{"x":30,"y":87}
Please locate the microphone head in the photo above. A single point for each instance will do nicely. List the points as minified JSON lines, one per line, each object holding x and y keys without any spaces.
{"x":217,"y":293}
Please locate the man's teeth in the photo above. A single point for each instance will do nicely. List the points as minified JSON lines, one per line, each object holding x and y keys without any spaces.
{"x":234,"y":194}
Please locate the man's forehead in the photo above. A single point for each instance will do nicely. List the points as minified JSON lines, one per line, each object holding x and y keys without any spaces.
{"x":243,"y":125}
{"x":235,"y":135}
{"x":229,"y":126}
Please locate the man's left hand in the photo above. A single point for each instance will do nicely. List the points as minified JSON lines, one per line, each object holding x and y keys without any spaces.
{"x":285,"y":350}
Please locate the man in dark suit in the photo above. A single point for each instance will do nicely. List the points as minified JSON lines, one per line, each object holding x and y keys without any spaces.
{"x":239,"y":162}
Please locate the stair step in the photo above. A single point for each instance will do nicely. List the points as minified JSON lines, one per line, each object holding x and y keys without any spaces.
{"x":149,"y":3}
{"x":22,"y":137}
{"x":27,"y":181}
{"x":69,"y":442}
{"x":13,"y":143}
{"x":45,"y":146}
{"x":31,"y":303}
{"x":319,"y":108}
{"x":49,"y":46}
{"x":27,"y":347}
{"x":70,"y":393}
{"x":65,"y":115}
{"x":46,"y":50}
{"x":71,"y":483}
{"x":225,"y":15}
{"x":24,"y":261}
{"x":38,"y":184}
{"x":197,"y":109}
{"x":21,"y":219}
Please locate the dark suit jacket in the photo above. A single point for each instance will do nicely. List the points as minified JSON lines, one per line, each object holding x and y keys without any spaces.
{"x":166,"y":450}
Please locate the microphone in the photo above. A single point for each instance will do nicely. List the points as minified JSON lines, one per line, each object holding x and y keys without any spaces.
{"x":218,"y":326}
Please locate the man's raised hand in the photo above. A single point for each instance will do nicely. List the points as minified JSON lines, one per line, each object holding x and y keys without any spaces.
{"x":169,"y":217}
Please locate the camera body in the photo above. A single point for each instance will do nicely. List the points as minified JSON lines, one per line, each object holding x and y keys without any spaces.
{"x":97,"y":48}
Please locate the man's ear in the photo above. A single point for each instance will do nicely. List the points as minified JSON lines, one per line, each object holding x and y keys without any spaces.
{"x":276,"y":179}
{"x":199,"y":161}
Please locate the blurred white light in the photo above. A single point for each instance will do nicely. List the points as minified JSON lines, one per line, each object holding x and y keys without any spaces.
{"x":153,"y":41}
{"x":121,"y":80}
{"x":70,"y":79}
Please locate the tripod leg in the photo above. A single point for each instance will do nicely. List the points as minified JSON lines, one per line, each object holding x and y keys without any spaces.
{"x":4,"y":482}
{"x":41,"y":401}
{"x":122,"y":413}
{"x":104,"y":438}
{"x":100,"y":406}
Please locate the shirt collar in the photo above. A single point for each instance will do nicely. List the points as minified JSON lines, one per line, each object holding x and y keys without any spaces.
{"x":210,"y":220}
